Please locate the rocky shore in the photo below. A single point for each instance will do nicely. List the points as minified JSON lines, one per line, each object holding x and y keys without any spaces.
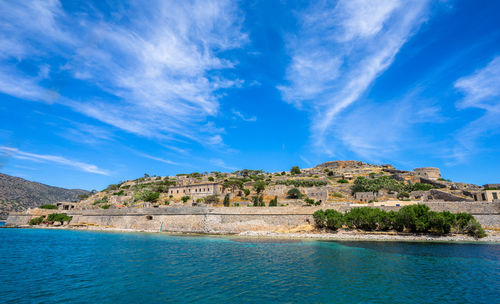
{"x":341,"y":235}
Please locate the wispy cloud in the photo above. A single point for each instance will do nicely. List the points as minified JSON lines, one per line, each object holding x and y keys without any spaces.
{"x":163,"y":160}
{"x":481,"y":90}
{"x":16,"y":153}
{"x":339,"y":52}
{"x":163,"y":68}
{"x":240,"y":115}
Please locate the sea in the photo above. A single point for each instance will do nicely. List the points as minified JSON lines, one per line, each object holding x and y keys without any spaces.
{"x":64,"y":266}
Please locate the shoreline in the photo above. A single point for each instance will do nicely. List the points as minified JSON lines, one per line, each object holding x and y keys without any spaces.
{"x":342,"y":235}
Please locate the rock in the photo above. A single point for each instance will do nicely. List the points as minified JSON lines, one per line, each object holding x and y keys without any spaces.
{"x":57,"y":223}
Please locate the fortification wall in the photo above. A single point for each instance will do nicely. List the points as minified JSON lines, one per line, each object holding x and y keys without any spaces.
{"x":236,"y":219}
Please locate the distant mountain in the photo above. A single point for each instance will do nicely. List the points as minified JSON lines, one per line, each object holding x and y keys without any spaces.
{"x":17,"y":194}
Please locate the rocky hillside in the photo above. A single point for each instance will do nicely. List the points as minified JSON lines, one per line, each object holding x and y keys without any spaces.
{"x":17,"y":194}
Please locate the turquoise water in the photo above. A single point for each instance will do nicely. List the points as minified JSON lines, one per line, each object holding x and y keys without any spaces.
{"x":57,"y":266}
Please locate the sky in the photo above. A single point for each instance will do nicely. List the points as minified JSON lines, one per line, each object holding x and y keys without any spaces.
{"x":97,"y":92}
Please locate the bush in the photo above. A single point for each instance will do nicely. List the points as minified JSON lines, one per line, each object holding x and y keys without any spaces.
{"x":258,"y":201}
{"x":273,"y":202}
{"x":102,"y":200}
{"x":333,"y":219}
{"x":309,"y":201}
{"x":211,"y":199}
{"x":246,"y":191}
{"x":259,"y":186}
{"x":36,"y":221}
{"x":320,"y":218}
{"x":364,"y":218}
{"x":59,"y":217}
{"x":48,"y":206}
{"x":302,"y":183}
{"x":342,"y":181}
{"x":119,"y":193}
{"x":294,"y":193}
{"x":415,"y":218}
{"x":147,"y":196}
{"x":337,"y":194}
{"x":210,"y":179}
{"x":185,"y":198}
{"x":226,"y":200}
{"x":105,"y":206}
{"x":295,"y":170}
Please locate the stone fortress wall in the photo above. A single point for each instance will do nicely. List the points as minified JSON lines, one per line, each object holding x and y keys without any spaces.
{"x":205,"y":219}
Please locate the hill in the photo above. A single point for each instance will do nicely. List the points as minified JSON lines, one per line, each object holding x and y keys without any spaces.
{"x":17,"y":194}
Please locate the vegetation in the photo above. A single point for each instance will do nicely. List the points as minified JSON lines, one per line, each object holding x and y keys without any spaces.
{"x":147,"y":196}
{"x":246,"y":191}
{"x":294,"y":193}
{"x":211,"y":179}
{"x":119,"y":193}
{"x":302,"y":182}
{"x":342,"y":181}
{"x":105,"y":206}
{"x":185,"y":198}
{"x":102,"y":200}
{"x":295,"y":170}
{"x":58,"y":217}
{"x":48,"y":206}
{"x":226,"y":200}
{"x":258,"y":201}
{"x":413,"y":218}
{"x":363,"y":184}
{"x":337,"y":194}
{"x":259,"y":186}
{"x":211,"y":199}
{"x":273,"y":202}
{"x":36,"y":221}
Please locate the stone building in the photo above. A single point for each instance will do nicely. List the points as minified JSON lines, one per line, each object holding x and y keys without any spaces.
{"x":428,"y":172}
{"x":196,"y":190}
{"x":366,"y":196}
{"x":487,"y":195}
{"x":492,"y":186}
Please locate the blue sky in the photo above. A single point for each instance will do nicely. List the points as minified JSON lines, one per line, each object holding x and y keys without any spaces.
{"x":92,"y":93}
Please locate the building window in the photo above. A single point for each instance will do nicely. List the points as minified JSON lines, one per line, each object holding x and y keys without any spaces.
{"x":483,"y":196}
{"x":495,"y":196}
{"x":177,"y":191}
{"x":475,"y":197}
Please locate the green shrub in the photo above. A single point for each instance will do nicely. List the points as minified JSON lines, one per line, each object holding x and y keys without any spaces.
{"x":246,"y":191}
{"x":333,"y":219}
{"x":147,"y":196}
{"x":337,"y":194}
{"x":210,"y":179}
{"x":259,"y":186}
{"x":226,"y":201}
{"x":320,"y":218}
{"x":185,"y":198}
{"x":295,"y":170}
{"x":309,"y":201}
{"x":364,"y":218}
{"x":48,"y":206}
{"x":58,"y":217}
{"x":102,"y":200}
{"x":302,"y":182}
{"x":106,"y":206}
{"x":294,"y":193}
{"x":274,"y":202}
{"x":119,"y":193}
{"x":342,"y":181}
{"x":211,"y":199}
{"x":36,"y":221}
{"x":415,"y":218}
{"x":258,"y":201}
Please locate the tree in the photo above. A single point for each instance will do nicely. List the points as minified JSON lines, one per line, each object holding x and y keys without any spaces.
{"x":246,"y":191}
{"x":212,"y":199}
{"x":210,"y":179}
{"x":273,"y":202}
{"x":259,"y":186}
{"x":185,"y":198}
{"x":226,"y":200}
{"x":258,"y":201}
{"x":294,"y":193}
{"x":295,"y":170}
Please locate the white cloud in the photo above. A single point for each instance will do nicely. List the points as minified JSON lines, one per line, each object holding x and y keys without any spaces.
{"x":16,"y":153}
{"x":481,"y":90}
{"x":340,"y":51}
{"x":162,"y":68}
{"x":243,"y":117}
